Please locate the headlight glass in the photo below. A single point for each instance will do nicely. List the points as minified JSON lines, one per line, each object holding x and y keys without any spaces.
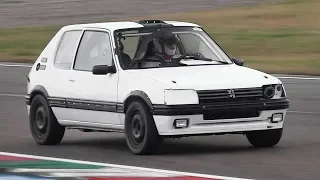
{"x":273,"y":91}
{"x":180,"y":96}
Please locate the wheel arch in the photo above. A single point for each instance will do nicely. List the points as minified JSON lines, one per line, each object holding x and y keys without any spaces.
{"x":140,"y":96}
{"x":38,"y":90}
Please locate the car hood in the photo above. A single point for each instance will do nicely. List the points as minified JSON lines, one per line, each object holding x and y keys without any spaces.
{"x":208,"y":77}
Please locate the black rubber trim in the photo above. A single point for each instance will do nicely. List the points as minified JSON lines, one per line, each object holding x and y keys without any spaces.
{"x":97,"y":105}
{"x":27,"y":99}
{"x":92,"y":105}
{"x":57,"y":102}
{"x":153,"y":23}
{"x":120,"y":108}
{"x":83,"y":104}
{"x":261,"y":105}
{"x":139,"y":94}
{"x":40,"y":89}
{"x":200,"y":109}
{"x":274,"y":105}
{"x":36,"y":90}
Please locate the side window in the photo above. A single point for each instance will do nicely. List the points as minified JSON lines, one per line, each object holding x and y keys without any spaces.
{"x":130,"y":45}
{"x":67,"y":49}
{"x":94,"y":49}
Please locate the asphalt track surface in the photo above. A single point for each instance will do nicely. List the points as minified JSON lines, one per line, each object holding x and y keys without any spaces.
{"x":15,"y":13}
{"x":296,"y":157}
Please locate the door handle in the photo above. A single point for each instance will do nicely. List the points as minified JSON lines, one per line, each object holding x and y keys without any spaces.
{"x":71,"y":80}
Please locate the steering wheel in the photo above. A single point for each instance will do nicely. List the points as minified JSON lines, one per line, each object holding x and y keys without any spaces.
{"x":144,"y":60}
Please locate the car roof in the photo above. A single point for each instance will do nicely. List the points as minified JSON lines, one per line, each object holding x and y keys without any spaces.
{"x":112,"y":26}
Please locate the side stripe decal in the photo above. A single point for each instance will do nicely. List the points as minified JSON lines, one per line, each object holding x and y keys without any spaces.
{"x":85,"y":104}
{"x":158,"y":109}
{"x":57,"y":102}
{"x":91,"y":105}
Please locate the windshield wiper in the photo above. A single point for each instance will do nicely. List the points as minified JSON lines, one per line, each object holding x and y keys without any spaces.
{"x":199,"y":58}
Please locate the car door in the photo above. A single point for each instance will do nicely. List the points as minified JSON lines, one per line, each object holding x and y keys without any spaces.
{"x":95,"y":96}
{"x":59,"y":85}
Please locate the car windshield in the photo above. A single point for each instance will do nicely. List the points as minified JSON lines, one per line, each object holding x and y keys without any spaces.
{"x":167,"y":47}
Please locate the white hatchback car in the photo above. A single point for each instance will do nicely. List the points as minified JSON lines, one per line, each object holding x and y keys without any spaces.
{"x":117,"y":76}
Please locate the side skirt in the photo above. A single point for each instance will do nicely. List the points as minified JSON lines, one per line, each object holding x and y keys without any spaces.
{"x":91,"y":127}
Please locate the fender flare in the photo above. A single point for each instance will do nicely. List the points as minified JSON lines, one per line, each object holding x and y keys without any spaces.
{"x":141,"y":95}
{"x":36,"y":90}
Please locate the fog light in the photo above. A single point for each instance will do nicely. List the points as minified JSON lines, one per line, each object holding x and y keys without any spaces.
{"x":180,"y":123}
{"x":277,"y":117}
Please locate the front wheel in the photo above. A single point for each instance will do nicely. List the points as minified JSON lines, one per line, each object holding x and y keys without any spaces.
{"x":265,"y":138}
{"x":140,"y":130}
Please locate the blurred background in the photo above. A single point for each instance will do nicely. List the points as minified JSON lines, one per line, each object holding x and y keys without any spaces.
{"x":276,"y":36}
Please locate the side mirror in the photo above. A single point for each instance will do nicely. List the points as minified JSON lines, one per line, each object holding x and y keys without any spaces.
{"x":238,"y":61}
{"x":103,"y":69}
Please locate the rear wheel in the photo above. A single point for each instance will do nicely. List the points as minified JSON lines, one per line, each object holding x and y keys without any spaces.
{"x":44,"y":126}
{"x":140,"y":130}
{"x":265,"y":138}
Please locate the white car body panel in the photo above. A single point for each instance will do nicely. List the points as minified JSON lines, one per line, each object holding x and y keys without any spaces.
{"x":129,"y":82}
{"x":208,"y":77}
{"x":95,"y":88}
{"x":85,"y":118}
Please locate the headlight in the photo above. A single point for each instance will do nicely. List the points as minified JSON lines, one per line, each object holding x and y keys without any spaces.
{"x":273,"y":91}
{"x":180,"y":96}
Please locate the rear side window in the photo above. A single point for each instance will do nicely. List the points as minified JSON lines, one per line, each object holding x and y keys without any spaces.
{"x":67,"y":49}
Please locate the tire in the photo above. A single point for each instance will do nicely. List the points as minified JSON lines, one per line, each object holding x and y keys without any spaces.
{"x":265,"y":138}
{"x":141,"y":133}
{"x":44,"y":126}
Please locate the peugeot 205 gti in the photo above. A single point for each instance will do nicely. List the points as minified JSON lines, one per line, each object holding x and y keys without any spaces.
{"x":151,"y":80}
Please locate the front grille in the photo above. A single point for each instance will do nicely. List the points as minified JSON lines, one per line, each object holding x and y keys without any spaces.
{"x":231,"y":108}
{"x":231,"y":103}
{"x":229,"y":95}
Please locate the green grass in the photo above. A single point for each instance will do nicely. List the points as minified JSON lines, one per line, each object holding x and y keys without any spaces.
{"x":24,"y":44}
{"x":276,"y":37}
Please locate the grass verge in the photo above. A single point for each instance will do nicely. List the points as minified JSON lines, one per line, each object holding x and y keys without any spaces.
{"x":276,"y":37}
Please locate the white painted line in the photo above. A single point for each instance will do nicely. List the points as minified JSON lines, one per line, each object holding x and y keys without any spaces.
{"x":299,"y":78}
{"x":16,"y":65}
{"x":293,"y":75}
{"x":122,"y":166}
{"x":100,"y":170}
{"x":12,"y":95}
{"x":303,"y":112}
{"x":103,"y":172}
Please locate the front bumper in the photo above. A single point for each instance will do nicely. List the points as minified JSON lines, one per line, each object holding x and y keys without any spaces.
{"x":196,"y":125}
{"x":222,"y":117}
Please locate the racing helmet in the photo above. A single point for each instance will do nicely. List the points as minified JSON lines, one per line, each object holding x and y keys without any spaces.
{"x":167,"y":46}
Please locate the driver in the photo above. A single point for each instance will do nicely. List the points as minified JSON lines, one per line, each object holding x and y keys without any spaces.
{"x":164,"y":49}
